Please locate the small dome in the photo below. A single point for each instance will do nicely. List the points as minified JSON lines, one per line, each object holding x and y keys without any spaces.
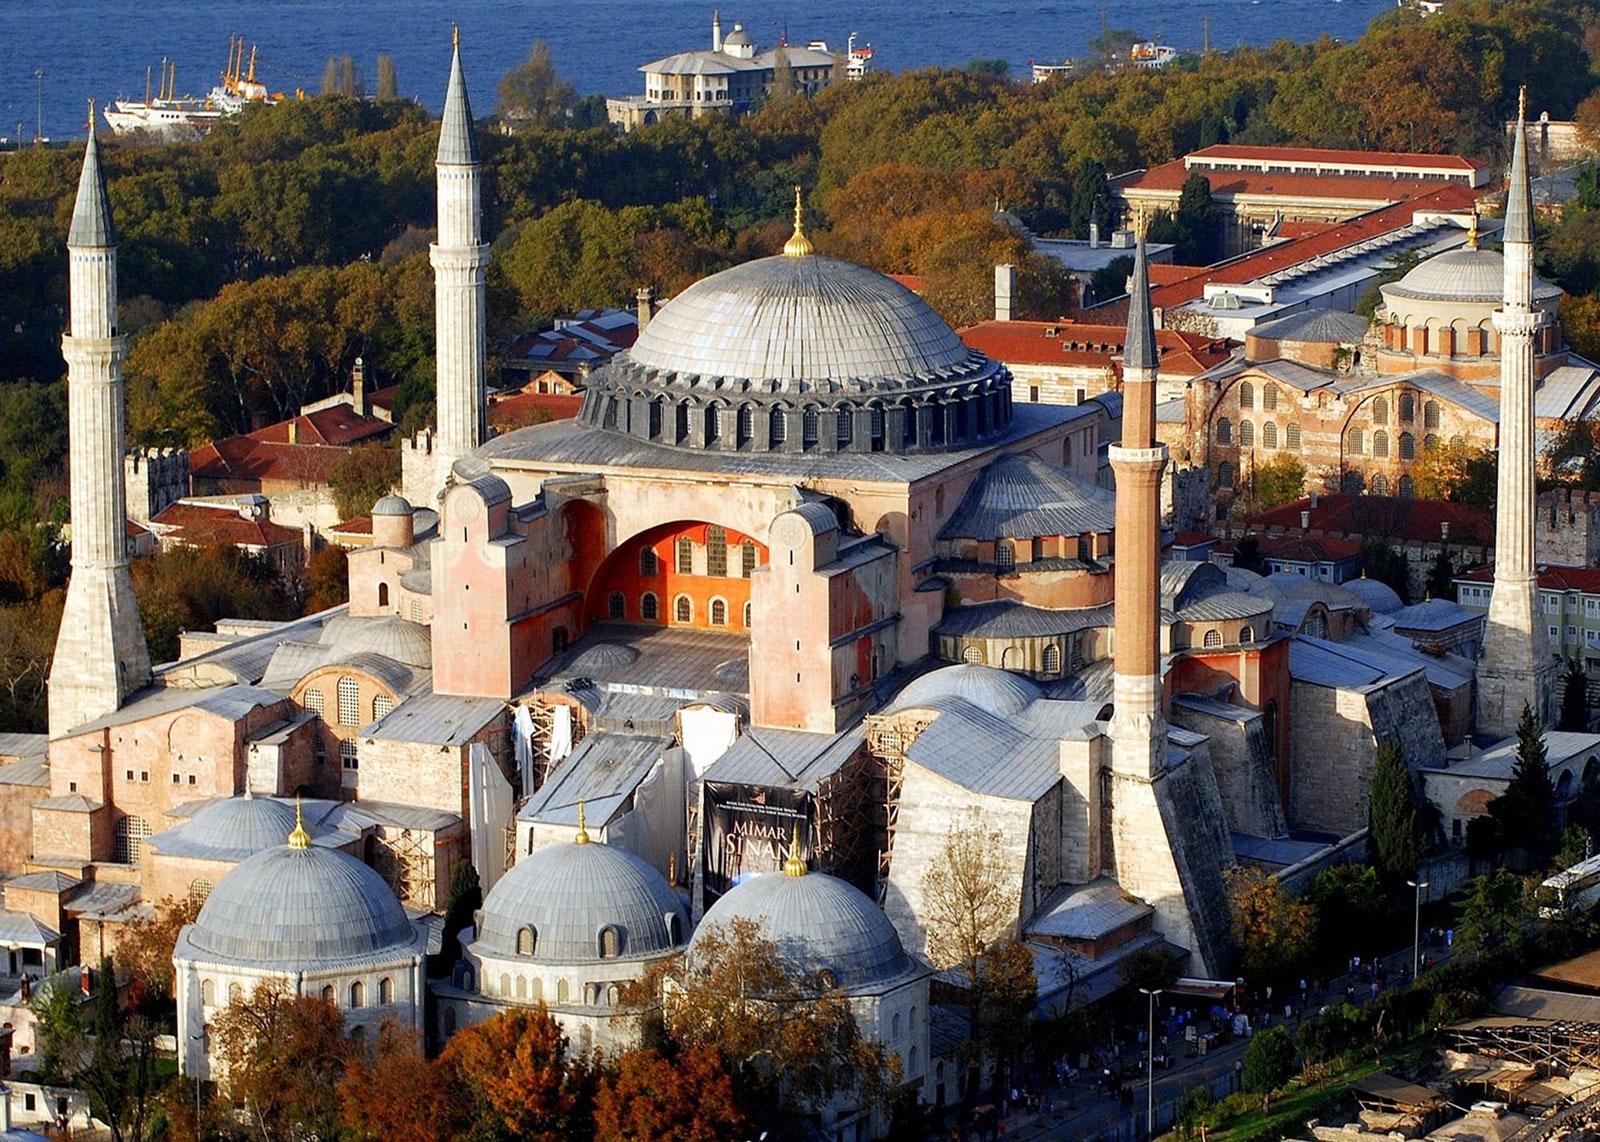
{"x":819,"y":923}
{"x":569,"y":893}
{"x":999,"y":692}
{"x":392,"y":505}
{"x":603,"y":656}
{"x":1462,"y":275}
{"x":238,"y":827}
{"x":386,"y":635}
{"x":307,"y":905}
{"x":1376,"y":595}
{"x":737,"y":38}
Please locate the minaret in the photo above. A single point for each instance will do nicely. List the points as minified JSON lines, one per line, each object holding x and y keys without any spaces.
{"x":1517,"y":666}
{"x":459,"y":259}
{"x":1138,"y":726}
{"x":716,"y":29}
{"x":101,"y":655}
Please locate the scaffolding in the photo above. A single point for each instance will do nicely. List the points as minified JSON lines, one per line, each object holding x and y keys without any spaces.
{"x":888,"y":738}
{"x":542,"y":712}
{"x":405,"y":860}
{"x":1538,"y":1045}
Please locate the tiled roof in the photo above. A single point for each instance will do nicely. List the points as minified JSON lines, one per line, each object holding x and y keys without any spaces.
{"x":524,"y":409}
{"x":1309,"y":549}
{"x":215,"y":525}
{"x":321,"y":437}
{"x":1419,"y":161}
{"x":355,"y":525}
{"x":1584,"y":579}
{"x":1415,"y":521}
{"x":1072,"y":343}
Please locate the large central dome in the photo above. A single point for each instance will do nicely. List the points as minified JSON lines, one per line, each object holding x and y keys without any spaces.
{"x":800,"y":353}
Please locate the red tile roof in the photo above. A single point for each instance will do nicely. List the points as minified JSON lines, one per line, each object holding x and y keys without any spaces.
{"x":1230,"y":184}
{"x":1244,"y":151}
{"x":204,"y":525}
{"x":1585,"y":579}
{"x":266,"y":453}
{"x":355,"y":525}
{"x":1309,"y":549}
{"x":1414,"y":521}
{"x":912,"y":282}
{"x":1077,"y":343}
{"x":533,"y":408}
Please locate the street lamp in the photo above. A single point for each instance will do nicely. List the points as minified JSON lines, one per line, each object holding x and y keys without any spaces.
{"x":1150,"y":1064}
{"x":1416,"y":929}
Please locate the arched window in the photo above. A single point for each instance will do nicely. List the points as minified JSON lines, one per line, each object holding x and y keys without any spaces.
{"x":328,"y":996}
{"x":719,"y":613}
{"x":1354,"y":443}
{"x":313,"y":701}
{"x":1224,"y":475}
{"x":235,"y":992}
{"x":747,"y":612}
{"x":208,"y":993}
{"x":1269,"y":435}
{"x":383,"y":594}
{"x":913,"y":1017}
{"x":780,"y":427}
{"x":1247,"y":434}
{"x":349,"y":702}
{"x":617,"y":605}
{"x":877,"y":428}
{"x":536,"y":989}
{"x":649,"y":608}
{"x":1052,"y":659}
{"x":1213,"y":637}
{"x":199,"y":889}
{"x":358,"y":995}
{"x":808,"y":428}
{"x":683,"y":609}
{"x":649,"y":565}
{"x":1005,"y":558}
{"x":1269,"y":397}
{"x":522,"y":987}
{"x":562,"y":991}
{"x":1380,"y":444}
{"x":685,"y":549}
{"x":1458,"y":441}
{"x":894,"y":1026}
{"x":1247,"y":395}
{"x":655,"y":419}
{"x":386,"y":990}
{"x":1430,"y":414}
{"x":1353,"y":483}
{"x":1224,"y":430}
{"x":747,"y":424}
{"x":128,"y":839}
{"x":1408,"y":446}
{"x":916,"y":1061}
{"x":680,"y":423}
{"x":609,"y":943}
{"x":348,"y":757}
{"x":1408,"y":408}
{"x":527,"y":940}
{"x":1380,"y":411}
{"x":1247,"y":634}
{"x":1430,"y":442}
{"x":973,"y":656}
{"x":716,"y":550}
{"x":747,"y":558}
{"x":1292,"y":437}
{"x":1408,"y":488}
{"x":1380,"y":485}
{"x":382,"y":706}
{"x":713,"y":424}
{"x":846,"y":426}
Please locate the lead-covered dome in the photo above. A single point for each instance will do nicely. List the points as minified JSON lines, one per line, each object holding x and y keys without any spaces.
{"x":1462,"y":275}
{"x":818,"y":923}
{"x":300,"y":906}
{"x":230,"y":828}
{"x":989,"y":688}
{"x":566,"y":896}
{"x":799,"y":353}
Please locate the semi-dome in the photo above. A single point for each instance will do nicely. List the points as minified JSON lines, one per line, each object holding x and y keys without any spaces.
{"x":386,"y":635}
{"x":300,"y":905}
{"x":818,"y":923}
{"x":1467,"y":274}
{"x":234,"y":828}
{"x":565,"y":896}
{"x":800,"y":353}
{"x":989,"y":688}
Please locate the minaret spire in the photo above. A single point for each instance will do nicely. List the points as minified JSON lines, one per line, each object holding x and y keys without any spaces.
{"x":1517,"y":667}
{"x":460,"y":258}
{"x":101,"y":655}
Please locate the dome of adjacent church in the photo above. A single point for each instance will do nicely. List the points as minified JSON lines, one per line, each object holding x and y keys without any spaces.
{"x":818,"y":923}
{"x":238,"y":827}
{"x":388,"y":636}
{"x":999,"y":692}
{"x":817,"y":340}
{"x":566,"y":895}
{"x":300,"y":905}
{"x":1467,"y":274}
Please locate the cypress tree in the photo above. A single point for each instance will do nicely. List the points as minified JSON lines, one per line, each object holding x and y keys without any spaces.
{"x":1574,"y":699}
{"x":1394,"y":836}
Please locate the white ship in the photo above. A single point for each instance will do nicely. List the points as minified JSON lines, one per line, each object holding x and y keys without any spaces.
{"x":1044,"y":72}
{"x":170,"y":115}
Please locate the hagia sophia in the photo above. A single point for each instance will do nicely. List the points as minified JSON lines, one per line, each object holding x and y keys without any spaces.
{"x":800,"y":592}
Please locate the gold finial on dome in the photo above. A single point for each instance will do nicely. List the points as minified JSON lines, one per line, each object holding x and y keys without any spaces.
{"x":299,"y":839}
{"x":798,"y":245}
{"x":795,"y":865}
{"x":455,"y":36}
{"x":1472,"y":234}
{"x":583,"y":832}
{"x":672,"y":870}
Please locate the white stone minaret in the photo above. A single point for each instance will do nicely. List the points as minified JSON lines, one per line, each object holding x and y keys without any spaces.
{"x":1517,"y":666}
{"x":101,"y":655}
{"x":459,"y":258}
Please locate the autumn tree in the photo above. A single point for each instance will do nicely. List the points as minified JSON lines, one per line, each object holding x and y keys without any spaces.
{"x":191,"y":588}
{"x":648,"y":1097}
{"x":1273,"y":929}
{"x":1395,"y":842}
{"x":284,"y":1056}
{"x":364,"y":475}
{"x":1279,"y":481}
{"x":532,"y":94}
{"x":522,"y":1078}
{"x":145,"y":951}
{"x":327,"y":579}
{"x":397,"y":1094}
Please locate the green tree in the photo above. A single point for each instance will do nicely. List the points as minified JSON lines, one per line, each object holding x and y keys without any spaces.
{"x":364,"y":475}
{"x":992,"y":68}
{"x":1274,"y":931}
{"x":388,"y":84}
{"x":466,"y":897}
{"x":1279,"y":481}
{"x":1493,"y":914}
{"x":1268,"y":1063}
{"x":1442,"y":576}
{"x":1574,"y":698}
{"x":532,"y":94}
{"x":1111,"y":279}
{"x":1395,"y":844}
{"x":783,"y":82}
{"x":1350,"y":904}
{"x":1092,"y":202}
{"x":1524,"y":814}
{"x":1149,"y":968}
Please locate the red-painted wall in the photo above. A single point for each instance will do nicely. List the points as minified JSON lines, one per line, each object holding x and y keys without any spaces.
{"x":620,"y":572}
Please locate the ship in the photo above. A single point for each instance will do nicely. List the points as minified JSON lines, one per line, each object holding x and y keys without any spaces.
{"x":170,"y":115}
{"x":1148,"y":53}
{"x":1044,"y":72}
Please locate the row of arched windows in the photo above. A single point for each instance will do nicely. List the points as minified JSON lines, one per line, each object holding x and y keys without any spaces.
{"x":1269,"y":434}
{"x":348,"y":691}
{"x":1247,"y":396}
{"x":355,"y":995}
{"x":716,"y":556}
{"x":682,"y":609}
{"x":532,"y":990}
{"x":1407,"y":408}
{"x":1012,"y":658}
{"x":1356,"y":443}
{"x":1354,"y":483}
{"x":1213,"y":637}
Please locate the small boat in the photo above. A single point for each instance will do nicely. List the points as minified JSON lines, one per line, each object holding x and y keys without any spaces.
{"x":1148,"y":53}
{"x":1043,"y":72}
{"x":170,"y":115}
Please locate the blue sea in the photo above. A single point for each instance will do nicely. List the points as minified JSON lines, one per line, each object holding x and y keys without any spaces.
{"x":102,"y":48}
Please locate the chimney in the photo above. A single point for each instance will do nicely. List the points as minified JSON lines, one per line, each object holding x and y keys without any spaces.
{"x":1444,"y":529}
{"x":647,"y":306}
{"x":1313,"y":499}
{"x":358,"y":386}
{"x":1305,"y":521}
{"x":1094,"y":235}
{"x":1005,"y":289}
{"x":294,"y":430}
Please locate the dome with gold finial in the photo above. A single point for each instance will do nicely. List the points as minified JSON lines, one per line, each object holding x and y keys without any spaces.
{"x":798,"y":245}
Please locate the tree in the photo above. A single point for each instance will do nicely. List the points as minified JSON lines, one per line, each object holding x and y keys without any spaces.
{"x":1151,"y":969}
{"x":1493,"y":914}
{"x":363,"y":475}
{"x":989,"y":68}
{"x":522,"y":1077}
{"x":398,"y":1095}
{"x":1524,"y":814}
{"x":327,"y":579}
{"x":1394,"y":823}
{"x":145,"y":951}
{"x":651,"y":1098}
{"x":1350,"y":904}
{"x":58,"y":1029}
{"x":191,"y":588}
{"x":1456,"y":472}
{"x":532,"y":94}
{"x":284,"y":1056}
{"x":115,"y":1065}
{"x":1092,"y":202}
{"x":388,"y":85}
{"x":1111,"y":279}
{"x":1279,"y":481}
{"x":466,"y":897}
{"x":1006,"y":994}
{"x":1268,"y":1063}
{"x":783,"y":83}
{"x":1273,"y":929}
{"x":1442,"y":576}
{"x":1574,"y":699}
{"x":1247,"y":555}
